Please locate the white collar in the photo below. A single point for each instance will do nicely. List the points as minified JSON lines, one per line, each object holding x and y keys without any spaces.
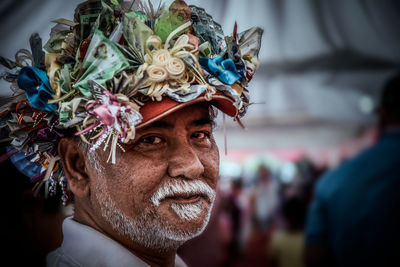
{"x":88,"y":247}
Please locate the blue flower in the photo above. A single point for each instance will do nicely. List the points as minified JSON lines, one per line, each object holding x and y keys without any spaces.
{"x":37,"y":88}
{"x":224,"y":70}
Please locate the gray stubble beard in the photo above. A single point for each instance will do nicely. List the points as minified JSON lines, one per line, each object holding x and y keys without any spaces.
{"x":149,"y":229}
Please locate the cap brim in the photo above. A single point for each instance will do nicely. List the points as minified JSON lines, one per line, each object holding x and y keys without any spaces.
{"x":156,"y":110}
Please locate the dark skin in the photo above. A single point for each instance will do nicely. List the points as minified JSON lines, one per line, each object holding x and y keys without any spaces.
{"x":179,"y":146}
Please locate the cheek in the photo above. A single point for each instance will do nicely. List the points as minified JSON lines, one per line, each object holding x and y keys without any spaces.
{"x":210,"y":162}
{"x":133,"y":182}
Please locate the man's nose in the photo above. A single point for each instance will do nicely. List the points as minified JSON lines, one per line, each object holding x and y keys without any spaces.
{"x":184,"y":161}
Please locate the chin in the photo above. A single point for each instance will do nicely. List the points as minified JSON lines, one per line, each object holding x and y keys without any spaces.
{"x":184,"y":221}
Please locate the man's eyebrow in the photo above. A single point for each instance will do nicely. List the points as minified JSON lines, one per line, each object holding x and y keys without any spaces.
{"x":160,"y":124}
{"x":202,"y":122}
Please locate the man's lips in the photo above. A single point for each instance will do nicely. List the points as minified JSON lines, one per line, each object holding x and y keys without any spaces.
{"x":185,"y":198}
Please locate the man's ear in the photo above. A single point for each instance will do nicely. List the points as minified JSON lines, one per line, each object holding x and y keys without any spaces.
{"x":73,"y":161}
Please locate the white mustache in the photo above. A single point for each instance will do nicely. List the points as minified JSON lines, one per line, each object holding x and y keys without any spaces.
{"x":183,"y":187}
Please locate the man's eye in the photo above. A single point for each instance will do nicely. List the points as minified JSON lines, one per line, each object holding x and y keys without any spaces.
{"x":200,"y":135}
{"x":150,"y":140}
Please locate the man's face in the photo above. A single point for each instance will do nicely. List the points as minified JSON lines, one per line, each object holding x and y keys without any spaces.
{"x":160,"y":191}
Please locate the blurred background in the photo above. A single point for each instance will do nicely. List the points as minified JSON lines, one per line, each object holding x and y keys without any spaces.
{"x":315,"y":94}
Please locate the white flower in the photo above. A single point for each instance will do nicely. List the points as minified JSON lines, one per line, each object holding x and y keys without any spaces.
{"x":161,"y":57}
{"x":175,"y":67}
{"x":156,"y":73}
{"x":154,"y":42}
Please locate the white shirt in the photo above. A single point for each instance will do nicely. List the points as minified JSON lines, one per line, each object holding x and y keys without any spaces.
{"x":84,"y":246}
{"x":266,"y":199}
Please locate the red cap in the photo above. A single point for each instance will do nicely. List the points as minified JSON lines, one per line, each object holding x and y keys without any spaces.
{"x":155,"y":110}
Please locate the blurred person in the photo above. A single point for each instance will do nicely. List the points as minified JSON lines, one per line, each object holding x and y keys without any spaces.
{"x":264,"y":203}
{"x":287,"y":243}
{"x":119,"y":115}
{"x":265,"y":199}
{"x":233,"y":209}
{"x":354,"y":218}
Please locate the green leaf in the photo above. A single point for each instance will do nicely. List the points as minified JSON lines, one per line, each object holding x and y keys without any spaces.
{"x":114,"y":2}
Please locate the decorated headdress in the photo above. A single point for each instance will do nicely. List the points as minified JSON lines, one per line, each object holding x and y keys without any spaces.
{"x":116,"y":68}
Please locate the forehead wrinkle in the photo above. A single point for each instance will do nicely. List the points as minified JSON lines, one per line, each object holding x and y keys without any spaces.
{"x":206,"y":120}
{"x":161,"y":124}
{"x":169,"y":122}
